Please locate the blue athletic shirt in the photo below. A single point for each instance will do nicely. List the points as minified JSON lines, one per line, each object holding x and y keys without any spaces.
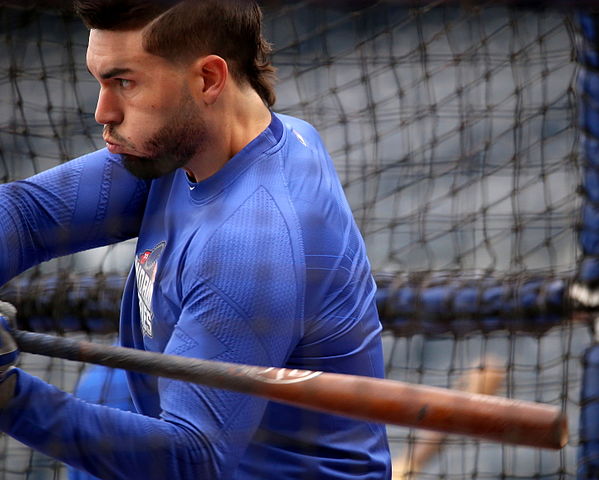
{"x":262,"y":264}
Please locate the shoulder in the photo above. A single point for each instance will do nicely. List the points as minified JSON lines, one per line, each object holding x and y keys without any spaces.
{"x":312,"y":178}
{"x":305,"y":158}
{"x":295,"y":122}
{"x":301,"y":131}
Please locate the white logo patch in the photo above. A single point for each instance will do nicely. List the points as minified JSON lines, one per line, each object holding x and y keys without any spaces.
{"x":146,"y":266}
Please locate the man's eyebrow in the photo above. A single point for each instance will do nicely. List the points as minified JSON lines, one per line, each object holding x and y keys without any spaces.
{"x":115,"y":72}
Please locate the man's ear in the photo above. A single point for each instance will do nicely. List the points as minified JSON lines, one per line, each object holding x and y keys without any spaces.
{"x":209,"y":75}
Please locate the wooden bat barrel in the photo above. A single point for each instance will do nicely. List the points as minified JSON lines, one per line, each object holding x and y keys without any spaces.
{"x":385,"y":401}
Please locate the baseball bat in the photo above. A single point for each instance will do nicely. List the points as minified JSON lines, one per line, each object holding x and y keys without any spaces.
{"x":384,"y":401}
{"x":485,"y":380}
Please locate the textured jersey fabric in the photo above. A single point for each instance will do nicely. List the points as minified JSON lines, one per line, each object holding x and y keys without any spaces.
{"x":82,"y":204}
{"x":104,"y":386}
{"x":262,"y":264}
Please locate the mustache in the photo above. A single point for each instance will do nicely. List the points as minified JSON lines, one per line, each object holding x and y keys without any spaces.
{"x":110,"y":132}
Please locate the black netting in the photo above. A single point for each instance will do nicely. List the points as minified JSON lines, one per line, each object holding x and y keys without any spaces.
{"x":454,"y":134}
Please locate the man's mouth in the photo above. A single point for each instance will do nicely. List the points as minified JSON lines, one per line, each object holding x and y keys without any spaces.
{"x":114,"y":147}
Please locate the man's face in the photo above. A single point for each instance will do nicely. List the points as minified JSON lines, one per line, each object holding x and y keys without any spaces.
{"x":148,"y":113}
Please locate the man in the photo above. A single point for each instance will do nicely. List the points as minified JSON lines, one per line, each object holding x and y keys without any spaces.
{"x":247,"y":252}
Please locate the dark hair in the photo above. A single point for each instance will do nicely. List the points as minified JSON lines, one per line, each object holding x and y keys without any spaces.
{"x":182,"y":30}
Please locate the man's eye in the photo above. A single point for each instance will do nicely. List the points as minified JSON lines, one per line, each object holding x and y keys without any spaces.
{"x":124,"y":83}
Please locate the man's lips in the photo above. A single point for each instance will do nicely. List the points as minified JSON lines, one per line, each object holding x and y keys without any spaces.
{"x":114,"y":147}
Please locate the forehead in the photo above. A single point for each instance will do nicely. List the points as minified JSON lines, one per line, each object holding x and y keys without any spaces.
{"x":119,"y":49}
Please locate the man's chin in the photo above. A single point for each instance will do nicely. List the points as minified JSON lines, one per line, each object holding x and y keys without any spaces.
{"x":144,"y":167}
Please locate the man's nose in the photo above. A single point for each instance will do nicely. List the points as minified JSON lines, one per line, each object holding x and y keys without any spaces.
{"x":108,"y":110}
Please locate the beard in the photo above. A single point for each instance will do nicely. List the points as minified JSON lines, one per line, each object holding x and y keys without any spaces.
{"x":172,"y":146}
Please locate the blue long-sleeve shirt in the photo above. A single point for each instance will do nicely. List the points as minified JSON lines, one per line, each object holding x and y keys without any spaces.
{"x":261,"y":263}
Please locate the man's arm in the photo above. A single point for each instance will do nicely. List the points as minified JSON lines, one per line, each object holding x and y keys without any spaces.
{"x":85,"y":203}
{"x":202,"y":432}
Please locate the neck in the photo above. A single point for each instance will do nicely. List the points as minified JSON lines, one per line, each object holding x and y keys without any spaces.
{"x":233,"y":123}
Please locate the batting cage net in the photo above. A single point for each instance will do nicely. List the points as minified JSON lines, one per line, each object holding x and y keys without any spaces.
{"x":465,"y":138}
